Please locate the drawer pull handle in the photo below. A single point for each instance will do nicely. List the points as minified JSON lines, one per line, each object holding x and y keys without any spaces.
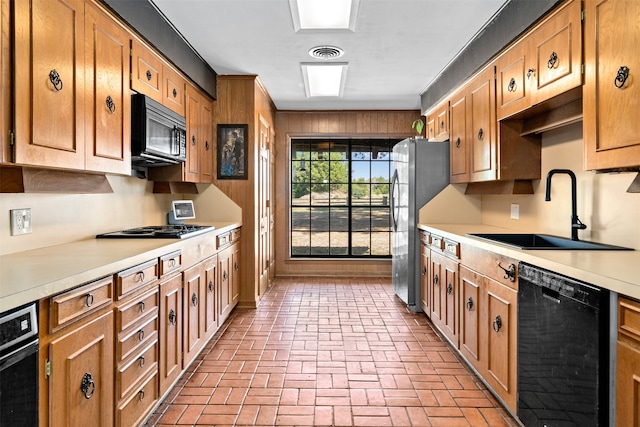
{"x":469,"y":304}
{"x":88,"y":300}
{"x":141,"y":276}
{"x":55,"y":80}
{"x":435,"y":280}
{"x":141,"y":395}
{"x":172,"y":317}
{"x":172,"y":262}
{"x":621,"y":77}
{"x":449,"y":289}
{"x":194,"y":300}
{"x":148,"y":74}
{"x":142,"y":306}
{"x":553,"y":60}
{"x":111,"y":106}
{"x":140,"y":335}
{"x":87,"y":387}
{"x":141,"y":361}
{"x":210,"y":285}
{"x":497,"y":323}
{"x":511,"y":87}
{"x":530,"y":73}
{"x":509,"y":272}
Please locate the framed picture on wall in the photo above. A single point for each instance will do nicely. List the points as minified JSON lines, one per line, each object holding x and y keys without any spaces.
{"x":232,"y":161}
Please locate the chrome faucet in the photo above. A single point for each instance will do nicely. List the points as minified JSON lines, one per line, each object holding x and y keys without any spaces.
{"x":576,"y":224}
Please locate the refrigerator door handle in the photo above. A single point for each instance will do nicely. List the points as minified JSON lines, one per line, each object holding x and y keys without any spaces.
{"x":394,"y":216}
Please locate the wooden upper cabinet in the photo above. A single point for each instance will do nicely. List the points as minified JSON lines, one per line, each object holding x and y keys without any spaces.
{"x":146,"y":71}
{"x":483,"y":144}
{"x":49,"y":49}
{"x":459,"y":165}
{"x":546,"y":62}
{"x":173,"y":90}
{"x":199,"y":164}
{"x":557,"y":48}
{"x":611,"y":95}
{"x":438,"y":122}
{"x":108,"y":100}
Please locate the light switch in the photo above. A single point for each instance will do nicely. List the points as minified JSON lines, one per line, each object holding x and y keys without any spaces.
{"x":515,"y":211}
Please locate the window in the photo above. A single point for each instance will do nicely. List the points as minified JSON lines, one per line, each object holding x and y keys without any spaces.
{"x":340,"y":197}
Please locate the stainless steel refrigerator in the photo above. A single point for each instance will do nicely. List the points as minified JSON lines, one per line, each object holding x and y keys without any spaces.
{"x":420,"y":172}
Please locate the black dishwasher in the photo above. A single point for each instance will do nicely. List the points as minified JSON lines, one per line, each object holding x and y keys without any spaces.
{"x":563,"y":350}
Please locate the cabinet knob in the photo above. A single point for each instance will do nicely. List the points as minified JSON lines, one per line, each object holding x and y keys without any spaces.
{"x":175,"y":93}
{"x":435,"y":279}
{"x":621,"y":77}
{"x":469,"y":304}
{"x":424,"y":271}
{"x":511,"y":87}
{"x":87,"y":386}
{"x":194,"y":300}
{"x":141,"y":395}
{"x":497,"y":323}
{"x":224,"y":275}
{"x":142,"y":306}
{"x":206,"y":145}
{"x":235,"y":266}
{"x":509,"y":272}
{"x":140,"y":335}
{"x":193,"y":140}
{"x":111,"y":106}
{"x":530,"y":72}
{"x":141,"y":276}
{"x":449,"y":289}
{"x":148,"y":74}
{"x":480,"y":134}
{"x":458,"y":142}
{"x":442,"y":124}
{"x":141,"y":361}
{"x":553,"y":60}
{"x":172,"y":317}
{"x":55,"y":80}
{"x":210,"y":285}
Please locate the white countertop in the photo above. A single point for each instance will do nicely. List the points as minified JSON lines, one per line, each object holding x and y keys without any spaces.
{"x":31,"y":275}
{"x":617,"y":271}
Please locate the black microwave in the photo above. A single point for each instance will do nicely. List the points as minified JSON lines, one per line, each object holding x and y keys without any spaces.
{"x":158,"y":134}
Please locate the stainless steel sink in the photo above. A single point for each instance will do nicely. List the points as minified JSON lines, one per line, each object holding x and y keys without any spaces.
{"x":544,"y":242}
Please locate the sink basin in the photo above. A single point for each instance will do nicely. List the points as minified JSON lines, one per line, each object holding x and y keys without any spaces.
{"x":544,"y":242}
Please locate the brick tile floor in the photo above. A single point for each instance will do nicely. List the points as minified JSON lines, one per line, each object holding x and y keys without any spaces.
{"x":329,"y":352}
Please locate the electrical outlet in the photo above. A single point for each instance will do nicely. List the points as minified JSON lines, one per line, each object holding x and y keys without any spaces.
{"x":515,"y":211}
{"x":20,"y":221}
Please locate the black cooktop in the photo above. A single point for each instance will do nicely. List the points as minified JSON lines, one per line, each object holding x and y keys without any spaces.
{"x":181,"y":231}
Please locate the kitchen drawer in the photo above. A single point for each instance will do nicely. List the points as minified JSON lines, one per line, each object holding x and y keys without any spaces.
{"x":133,"y":369}
{"x":132,"y":311}
{"x":133,"y":410}
{"x":451,"y":248}
{"x":134,"y":278}
{"x":170,"y":263}
{"x":437,"y":242}
{"x":425,"y":237}
{"x":629,"y":318}
{"x":77,"y":303}
{"x":131,"y":340}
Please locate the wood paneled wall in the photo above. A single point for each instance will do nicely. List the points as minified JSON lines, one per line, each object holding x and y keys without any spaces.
{"x":309,"y":124}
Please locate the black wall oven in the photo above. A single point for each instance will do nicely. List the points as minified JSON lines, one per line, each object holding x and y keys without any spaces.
{"x":19,"y":367}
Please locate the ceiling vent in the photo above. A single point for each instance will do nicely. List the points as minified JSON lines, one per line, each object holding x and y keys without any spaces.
{"x":326,"y":52}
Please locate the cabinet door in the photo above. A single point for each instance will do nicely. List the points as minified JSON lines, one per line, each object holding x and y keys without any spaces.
{"x":81,"y":381}
{"x":438,"y":122}
{"x":170,"y":332}
{"x":482,"y":128}
{"x":557,"y":49}
{"x":192,"y":164}
{"x":513,"y":80}
{"x":206,"y":141}
{"x":264,"y":208}
{"x":459,"y":158}
{"x":193,"y":324}
{"x":107,"y":94}
{"x":450,"y":288}
{"x":173,"y":90}
{"x":235,"y":275}
{"x":210,"y":296}
{"x":611,"y":93}
{"x":224,"y":266}
{"x":49,"y":111}
{"x":146,"y":71}
{"x":436,"y":280}
{"x":627,"y":384}
{"x":501,"y":329}
{"x":471,"y":288}
{"x":425,"y":283}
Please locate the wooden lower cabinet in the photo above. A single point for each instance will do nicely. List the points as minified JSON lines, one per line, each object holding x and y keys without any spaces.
{"x":81,"y":377}
{"x":170,"y":319}
{"x":471,"y":290}
{"x":444,"y":295}
{"x":425,"y":283}
{"x":628,"y":363}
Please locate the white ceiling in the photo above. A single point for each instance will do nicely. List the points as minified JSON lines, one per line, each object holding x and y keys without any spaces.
{"x":398,"y":48}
